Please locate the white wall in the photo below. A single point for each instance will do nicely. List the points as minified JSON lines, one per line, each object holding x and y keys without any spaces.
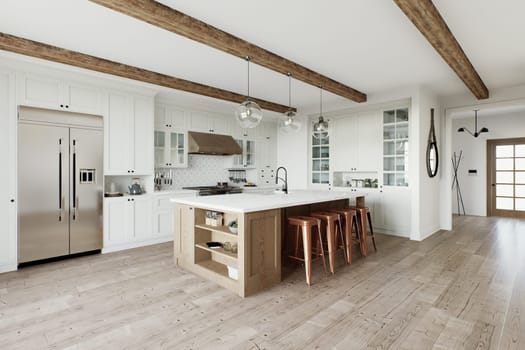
{"x":473,"y":187}
{"x":500,"y":99}
{"x":292,"y":153}
{"x":429,"y":195}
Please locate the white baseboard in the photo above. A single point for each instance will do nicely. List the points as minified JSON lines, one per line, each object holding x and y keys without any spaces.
{"x":131,"y":245}
{"x":8,"y":268}
{"x":390,"y":232}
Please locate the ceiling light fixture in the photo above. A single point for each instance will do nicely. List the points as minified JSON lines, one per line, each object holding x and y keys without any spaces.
{"x":476,"y":133}
{"x":288,"y":122}
{"x":321,"y":126}
{"x":248,"y":113}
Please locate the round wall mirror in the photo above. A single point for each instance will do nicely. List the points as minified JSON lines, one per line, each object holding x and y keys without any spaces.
{"x":432,"y":149}
{"x":432,"y":159}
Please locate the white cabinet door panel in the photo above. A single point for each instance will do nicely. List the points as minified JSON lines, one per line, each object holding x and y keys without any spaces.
{"x":83,"y":99}
{"x":345,"y":144}
{"x":117,"y":217}
{"x":8,"y":214}
{"x":119,"y":143}
{"x":368,"y":151}
{"x":142,"y":218}
{"x":143,"y":136}
{"x":176,"y":118}
{"x":164,"y":223}
{"x":39,"y":92}
{"x":199,"y":122}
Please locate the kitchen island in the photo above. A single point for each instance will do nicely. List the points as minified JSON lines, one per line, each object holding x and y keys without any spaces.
{"x":261,"y":227}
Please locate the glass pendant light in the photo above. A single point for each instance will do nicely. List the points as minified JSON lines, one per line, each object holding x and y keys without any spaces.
{"x":321,"y":126}
{"x":288,"y":122}
{"x":248,"y":113}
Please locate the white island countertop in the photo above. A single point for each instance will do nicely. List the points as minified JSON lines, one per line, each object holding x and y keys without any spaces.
{"x":251,"y":202}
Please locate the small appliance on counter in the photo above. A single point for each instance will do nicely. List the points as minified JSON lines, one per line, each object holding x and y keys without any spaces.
{"x":113,"y":191}
{"x":135,"y":187}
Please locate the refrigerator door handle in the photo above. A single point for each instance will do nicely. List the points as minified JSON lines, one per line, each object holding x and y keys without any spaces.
{"x":74,"y":180}
{"x":60,"y":191}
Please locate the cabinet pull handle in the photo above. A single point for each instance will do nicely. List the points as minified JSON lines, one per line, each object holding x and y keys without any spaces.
{"x":59,"y":179}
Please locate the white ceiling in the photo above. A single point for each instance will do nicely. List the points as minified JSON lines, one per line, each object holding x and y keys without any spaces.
{"x":368,"y":45}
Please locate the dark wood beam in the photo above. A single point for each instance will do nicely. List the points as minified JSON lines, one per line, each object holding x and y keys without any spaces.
{"x":177,"y":22}
{"x":428,"y":20}
{"x":77,"y":59}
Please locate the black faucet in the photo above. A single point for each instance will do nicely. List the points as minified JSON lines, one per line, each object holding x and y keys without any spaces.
{"x":285,"y":180}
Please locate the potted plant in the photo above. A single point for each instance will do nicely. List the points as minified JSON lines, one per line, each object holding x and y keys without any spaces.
{"x":232,"y":226}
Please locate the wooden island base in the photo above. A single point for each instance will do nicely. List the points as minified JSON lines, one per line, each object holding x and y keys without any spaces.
{"x":259,"y":239}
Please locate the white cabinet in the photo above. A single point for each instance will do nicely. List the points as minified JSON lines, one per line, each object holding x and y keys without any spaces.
{"x":167,"y":117}
{"x":8,"y":214}
{"x":395,"y":147}
{"x":127,"y":222}
{"x":356,"y":143}
{"x":246,"y":160}
{"x":164,"y":214}
{"x":206,"y":122}
{"x":43,"y":92}
{"x":129,"y":135}
{"x":171,"y":149}
{"x":391,"y":211}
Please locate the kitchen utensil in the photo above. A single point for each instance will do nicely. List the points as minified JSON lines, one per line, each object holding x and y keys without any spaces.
{"x":135,"y":187}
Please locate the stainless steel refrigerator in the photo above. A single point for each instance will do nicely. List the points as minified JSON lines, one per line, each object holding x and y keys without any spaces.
{"x":60,"y":166}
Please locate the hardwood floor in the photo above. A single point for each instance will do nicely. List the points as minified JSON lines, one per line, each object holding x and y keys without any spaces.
{"x":463,"y":289}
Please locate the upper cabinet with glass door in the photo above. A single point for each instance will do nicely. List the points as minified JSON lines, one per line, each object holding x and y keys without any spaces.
{"x":246,"y":160}
{"x":395,"y":147}
{"x":320,"y":159}
{"x":170,"y":149}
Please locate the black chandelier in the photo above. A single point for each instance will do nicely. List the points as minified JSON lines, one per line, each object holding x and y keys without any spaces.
{"x":476,"y":133}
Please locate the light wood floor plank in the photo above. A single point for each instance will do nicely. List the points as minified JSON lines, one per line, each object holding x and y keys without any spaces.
{"x":463,"y":289}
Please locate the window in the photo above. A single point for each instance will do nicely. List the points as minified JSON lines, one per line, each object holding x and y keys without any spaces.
{"x":395,"y":147}
{"x":320,"y":159}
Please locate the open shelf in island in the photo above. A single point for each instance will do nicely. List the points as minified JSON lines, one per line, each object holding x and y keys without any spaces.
{"x":228,"y":255}
{"x":222,"y":229}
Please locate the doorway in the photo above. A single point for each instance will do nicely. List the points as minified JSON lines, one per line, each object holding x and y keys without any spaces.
{"x":506,"y":177}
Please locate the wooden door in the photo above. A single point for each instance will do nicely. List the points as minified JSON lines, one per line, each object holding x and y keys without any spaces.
{"x":506,"y":177}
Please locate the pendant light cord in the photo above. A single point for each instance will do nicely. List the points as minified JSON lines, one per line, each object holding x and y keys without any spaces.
{"x":248,"y":59}
{"x":321,"y":100}
{"x":289,"y":90}
{"x":476,"y":121}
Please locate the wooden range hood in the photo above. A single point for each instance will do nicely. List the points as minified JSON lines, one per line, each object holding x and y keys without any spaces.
{"x":214,"y":144}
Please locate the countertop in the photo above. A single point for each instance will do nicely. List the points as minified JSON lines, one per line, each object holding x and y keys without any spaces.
{"x":175,"y":192}
{"x":258,"y":201}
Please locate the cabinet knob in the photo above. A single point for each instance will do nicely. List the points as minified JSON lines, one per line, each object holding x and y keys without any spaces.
{"x":67,"y":106}
{"x":12,"y":200}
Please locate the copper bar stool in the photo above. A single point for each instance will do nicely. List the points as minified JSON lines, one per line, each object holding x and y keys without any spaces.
{"x":364,"y":215}
{"x":350,"y":222}
{"x":333,"y":230}
{"x":304,"y":230}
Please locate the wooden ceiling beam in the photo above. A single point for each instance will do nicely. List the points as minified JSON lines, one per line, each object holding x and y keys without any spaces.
{"x":429,"y":22}
{"x":52,"y":53}
{"x":177,"y":22}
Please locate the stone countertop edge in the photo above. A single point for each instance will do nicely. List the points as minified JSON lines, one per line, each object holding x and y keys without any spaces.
{"x":260,"y":202}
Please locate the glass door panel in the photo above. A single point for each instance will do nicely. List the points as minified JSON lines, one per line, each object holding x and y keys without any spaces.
{"x":507,"y":160}
{"x":160,"y":147}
